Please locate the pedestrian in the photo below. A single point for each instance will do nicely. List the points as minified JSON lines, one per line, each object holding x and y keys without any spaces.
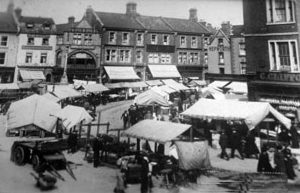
{"x":266,"y":161}
{"x":294,"y":136}
{"x":250,"y":146}
{"x":288,"y":161}
{"x":236,"y":143}
{"x":284,"y":137}
{"x":223,"y":141}
{"x":96,"y":149}
{"x":144,"y":174}
{"x":125,"y":117}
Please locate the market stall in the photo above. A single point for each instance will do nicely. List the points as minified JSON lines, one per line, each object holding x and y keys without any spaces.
{"x":150,"y":97}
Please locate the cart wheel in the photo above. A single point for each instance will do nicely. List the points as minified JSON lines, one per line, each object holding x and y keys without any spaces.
{"x":36,"y":162}
{"x":19,"y":155}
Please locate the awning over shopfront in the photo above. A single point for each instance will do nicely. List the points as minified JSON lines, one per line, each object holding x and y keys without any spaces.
{"x":121,"y":73}
{"x":95,"y":88}
{"x":250,"y":112}
{"x":154,"y":82}
{"x":157,"y":131}
{"x":63,"y":91}
{"x":32,"y":75}
{"x":175,"y":85}
{"x":150,"y":97}
{"x":164,"y":71}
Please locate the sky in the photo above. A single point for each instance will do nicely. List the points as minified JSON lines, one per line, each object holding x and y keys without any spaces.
{"x":212,"y":11}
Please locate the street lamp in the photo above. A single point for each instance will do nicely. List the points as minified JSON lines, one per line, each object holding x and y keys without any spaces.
{"x":64,"y":78}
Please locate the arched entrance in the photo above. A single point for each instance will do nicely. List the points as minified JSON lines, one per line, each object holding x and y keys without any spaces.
{"x":82,"y":66}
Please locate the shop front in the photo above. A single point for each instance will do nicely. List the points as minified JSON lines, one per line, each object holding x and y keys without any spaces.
{"x":281,"y":90}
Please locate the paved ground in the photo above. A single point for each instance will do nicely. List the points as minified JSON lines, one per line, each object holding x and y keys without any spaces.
{"x":16,"y":179}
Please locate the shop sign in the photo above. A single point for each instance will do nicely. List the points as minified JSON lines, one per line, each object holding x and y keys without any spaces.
{"x":218,"y":48}
{"x":283,"y":77}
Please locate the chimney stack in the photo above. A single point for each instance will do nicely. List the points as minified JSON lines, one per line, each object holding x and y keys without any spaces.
{"x":226,"y":28}
{"x":18,"y":12}
{"x":193,"y":15}
{"x":71,"y":20}
{"x":89,"y":14}
{"x":131,"y":9}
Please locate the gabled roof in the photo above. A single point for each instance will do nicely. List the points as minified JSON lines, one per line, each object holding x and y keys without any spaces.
{"x":36,"y":20}
{"x":186,"y":26}
{"x":117,"y":20}
{"x":154,"y":23}
{"x":7,"y":23}
{"x":61,"y":28}
{"x":220,"y":31}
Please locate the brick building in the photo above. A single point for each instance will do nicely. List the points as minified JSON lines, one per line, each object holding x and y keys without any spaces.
{"x":272,"y":39}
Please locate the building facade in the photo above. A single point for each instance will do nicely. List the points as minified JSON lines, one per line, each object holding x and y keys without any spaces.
{"x":134,"y":40}
{"x":238,"y":50}
{"x":272,"y":42}
{"x":81,"y":45}
{"x":8,"y":45}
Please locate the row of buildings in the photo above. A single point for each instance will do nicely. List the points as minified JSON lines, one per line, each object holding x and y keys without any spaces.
{"x":144,"y":47}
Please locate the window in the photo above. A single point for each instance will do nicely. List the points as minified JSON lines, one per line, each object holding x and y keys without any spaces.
{"x":125,"y":56}
{"x":88,"y":39}
{"x":221,"y":57}
{"x":4,"y":40}
{"x":242,"y":49}
{"x":206,"y":58}
{"x":182,"y":57}
{"x":29,"y":25}
{"x":153,"y":58}
{"x":205,"y":42}
{"x":243,"y":70}
{"x":47,"y":26}
{"x":165,"y":59}
{"x":59,"y":39}
{"x":182,"y":41}
{"x":112,"y":38}
{"x":166,"y":40}
{"x":139,"y":56}
{"x":280,"y":11}
{"x":45,"y":41}
{"x":2,"y":58}
{"x":221,"y":70}
{"x":284,"y":55}
{"x":139,"y":39}
{"x":111,"y":55}
{"x":194,"y":42}
{"x":125,"y":38}
{"x":77,"y":39}
{"x":28,"y":58}
{"x":153,"y":39}
{"x":220,"y":42}
{"x":43,"y":58}
{"x":194,"y":57}
{"x":30,"y":41}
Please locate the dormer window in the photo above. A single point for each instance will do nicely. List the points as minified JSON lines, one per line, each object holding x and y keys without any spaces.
{"x":29,"y":25}
{"x":30,"y":41}
{"x":47,"y":26}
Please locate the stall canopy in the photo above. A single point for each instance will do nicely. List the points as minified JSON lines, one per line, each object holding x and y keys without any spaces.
{"x":151,"y":97}
{"x":167,"y":89}
{"x":175,"y":85}
{"x":198,"y":83}
{"x":121,"y":73}
{"x":210,"y":92}
{"x":250,"y":112}
{"x":9,"y":86}
{"x":218,"y":84}
{"x":81,"y":83}
{"x":63,"y":91}
{"x":159,"y":91}
{"x":157,"y":131}
{"x":164,"y":71}
{"x":51,"y":97}
{"x":32,"y":75}
{"x":95,"y":88}
{"x":73,"y":115}
{"x":237,"y":87}
{"x":33,"y":110}
{"x":139,"y":84}
{"x":154,"y":82}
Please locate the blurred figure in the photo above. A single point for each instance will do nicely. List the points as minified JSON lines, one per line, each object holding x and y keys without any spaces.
{"x":223,"y":141}
{"x":236,"y":143}
{"x":250,"y":146}
{"x":294,"y":135}
{"x":284,"y":137}
{"x":266,"y":162}
{"x":125,"y":117}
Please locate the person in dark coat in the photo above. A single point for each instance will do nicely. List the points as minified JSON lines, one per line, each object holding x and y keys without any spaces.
{"x":266,"y":161}
{"x":236,"y":143}
{"x":125,"y":117}
{"x":144,"y":174}
{"x":288,"y":161}
{"x":294,"y":136}
{"x":250,"y":146}
{"x":284,"y":137}
{"x":96,"y":149}
{"x":223,"y":141}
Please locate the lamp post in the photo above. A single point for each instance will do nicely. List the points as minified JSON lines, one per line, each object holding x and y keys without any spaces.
{"x":64,"y":78}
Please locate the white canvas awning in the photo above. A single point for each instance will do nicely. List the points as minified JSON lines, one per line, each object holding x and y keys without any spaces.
{"x":51,"y":97}
{"x":164,"y":71}
{"x":151,"y":97}
{"x":73,"y":115}
{"x":167,"y":89}
{"x":95,"y":88}
{"x":250,"y":112}
{"x":158,"y":131}
{"x":9,"y":86}
{"x":154,"y":82}
{"x":121,"y":73}
{"x":175,"y":85}
{"x":32,"y":75}
{"x":33,"y":110}
{"x":218,"y":84}
{"x":63,"y":91}
{"x":238,"y":87}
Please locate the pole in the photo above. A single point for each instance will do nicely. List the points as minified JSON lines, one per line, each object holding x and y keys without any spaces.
{"x":64,"y":78}
{"x":98,"y":126}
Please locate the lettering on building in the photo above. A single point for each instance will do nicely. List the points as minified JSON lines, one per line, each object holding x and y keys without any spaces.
{"x":283,"y":77}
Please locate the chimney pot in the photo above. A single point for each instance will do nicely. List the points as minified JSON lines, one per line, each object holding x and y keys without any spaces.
{"x":71,"y":19}
{"x":193,"y":15}
{"x":131,"y":9}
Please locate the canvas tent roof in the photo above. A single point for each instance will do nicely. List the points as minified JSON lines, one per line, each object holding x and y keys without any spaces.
{"x":250,"y":112}
{"x":175,"y":85}
{"x":198,"y":82}
{"x":63,"y":91}
{"x":51,"y":97}
{"x":214,"y":92}
{"x":151,"y":97}
{"x":9,"y":86}
{"x":95,"y":88}
{"x":158,"y":131}
{"x":164,"y":71}
{"x":218,"y":84}
{"x":238,"y":87}
{"x":154,"y":82}
{"x":167,"y":89}
{"x":121,"y":73}
{"x":72,"y":115}
{"x":33,"y":110}
{"x":138,"y":84}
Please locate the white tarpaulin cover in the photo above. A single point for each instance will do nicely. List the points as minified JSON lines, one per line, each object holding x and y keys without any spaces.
{"x":9,"y":86}
{"x":193,"y":155}
{"x":33,"y":110}
{"x":158,"y":131}
{"x":250,"y":112}
{"x":51,"y":97}
{"x":214,"y":92}
{"x":63,"y":91}
{"x":154,"y":82}
{"x":121,"y":73}
{"x":175,"y":85}
{"x":164,"y":71}
{"x":218,"y":84}
{"x":238,"y":87}
{"x":151,"y":97}
{"x":72,"y":115}
{"x":32,"y":75}
{"x":95,"y":88}
{"x":167,"y":89}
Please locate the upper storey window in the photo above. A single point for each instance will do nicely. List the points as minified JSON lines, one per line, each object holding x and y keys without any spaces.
{"x":280,"y":11}
{"x":112,"y":39}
